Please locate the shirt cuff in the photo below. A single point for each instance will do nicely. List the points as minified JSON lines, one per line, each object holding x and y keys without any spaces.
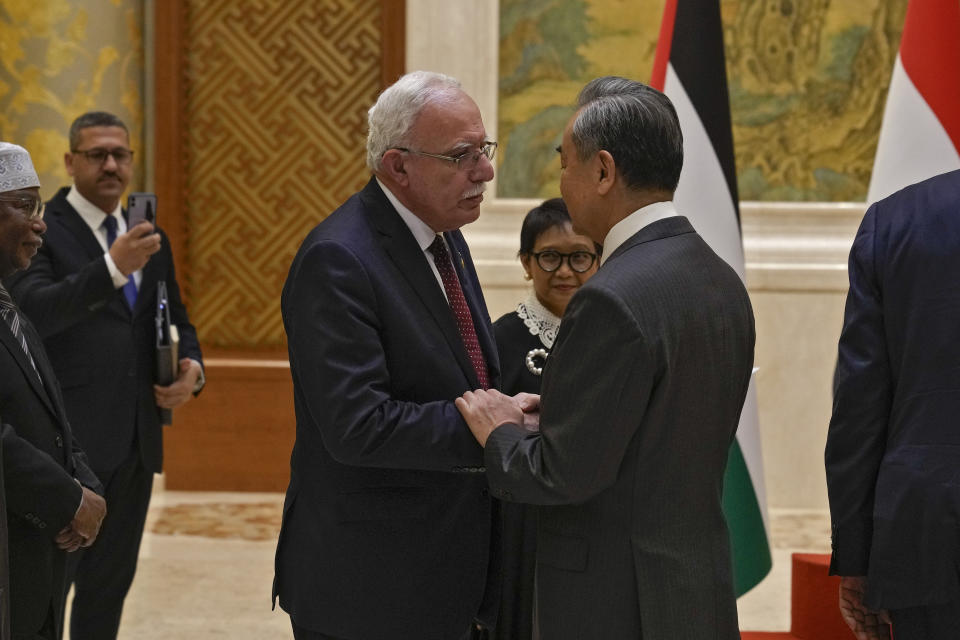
{"x":79,"y":506}
{"x":118,"y":278}
{"x":201,"y":379}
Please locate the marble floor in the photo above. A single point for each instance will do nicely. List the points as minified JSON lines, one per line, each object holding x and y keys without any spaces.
{"x":206,"y":567}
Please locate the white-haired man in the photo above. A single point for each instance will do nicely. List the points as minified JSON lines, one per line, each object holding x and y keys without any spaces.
{"x":387,"y":521}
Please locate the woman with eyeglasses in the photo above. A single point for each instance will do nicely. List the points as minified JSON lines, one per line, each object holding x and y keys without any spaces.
{"x":558,"y":262}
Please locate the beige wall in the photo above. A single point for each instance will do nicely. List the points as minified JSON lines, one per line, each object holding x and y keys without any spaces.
{"x":795,"y":254}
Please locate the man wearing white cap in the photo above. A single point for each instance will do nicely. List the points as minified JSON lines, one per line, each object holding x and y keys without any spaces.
{"x":52,"y":507}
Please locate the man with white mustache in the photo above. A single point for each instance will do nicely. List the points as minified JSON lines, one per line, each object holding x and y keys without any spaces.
{"x":387,"y":520}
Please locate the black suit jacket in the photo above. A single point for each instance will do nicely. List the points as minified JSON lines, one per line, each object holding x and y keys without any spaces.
{"x":893,"y":448}
{"x":4,"y":554}
{"x":41,"y":465}
{"x":387,"y":520}
{"x":103,"y":354}
{"x":640,"y":403}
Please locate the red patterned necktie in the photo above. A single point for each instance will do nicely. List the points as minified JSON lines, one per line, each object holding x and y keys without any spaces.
{"x":461,"y":312}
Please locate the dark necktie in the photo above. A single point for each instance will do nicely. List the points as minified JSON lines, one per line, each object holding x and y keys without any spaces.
{"x":461,"y":312}
{"x":129,"y":289}
{"x":12,"y":317}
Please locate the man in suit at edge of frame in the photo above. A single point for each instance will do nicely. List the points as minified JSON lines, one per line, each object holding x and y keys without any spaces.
{"x":51,"y":494}
{"x":893,"y":446}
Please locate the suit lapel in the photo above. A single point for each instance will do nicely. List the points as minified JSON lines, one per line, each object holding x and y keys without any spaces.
{"x":402,"y":247}
{"x":10,"y":342}
{"x":68,"y":217}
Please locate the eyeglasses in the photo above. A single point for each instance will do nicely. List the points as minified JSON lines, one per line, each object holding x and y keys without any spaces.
{"x":121,"y":156}
{"x":579,"y":261}
{"x":30,"y":208}
{"x":468,"y":160}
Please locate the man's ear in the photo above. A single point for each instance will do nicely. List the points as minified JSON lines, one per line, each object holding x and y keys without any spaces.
{"x":608,"y":172}
{"x":392,"y":165}
{"x":68,"y":163}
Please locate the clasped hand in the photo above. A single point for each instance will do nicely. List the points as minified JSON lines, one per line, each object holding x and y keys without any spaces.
{"x":485,"y":410}
{"x":181,"y":389}
{"x":83,"y":529}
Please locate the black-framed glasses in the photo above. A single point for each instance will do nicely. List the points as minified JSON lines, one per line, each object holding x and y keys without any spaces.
{"x":98,"y":156}
{"x":30,"y":208}
{"x":468,"y":160}
{"x":579,"y":261}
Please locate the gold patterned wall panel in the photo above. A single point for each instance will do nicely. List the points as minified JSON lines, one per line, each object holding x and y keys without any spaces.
{"x":276,"y":101}
{"x":60,"y":58}
{"x":808,"y":81}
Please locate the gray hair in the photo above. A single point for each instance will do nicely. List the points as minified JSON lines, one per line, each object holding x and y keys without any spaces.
{"x":393,"y":115}
{"x":637,"y":125}
{"x":93,"y":119}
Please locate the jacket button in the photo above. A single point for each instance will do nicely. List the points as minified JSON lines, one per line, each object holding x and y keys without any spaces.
{"x":59,"y":442}
{"x":484,"y":493}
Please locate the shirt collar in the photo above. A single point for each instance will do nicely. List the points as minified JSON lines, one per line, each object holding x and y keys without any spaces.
{"x":421,"y":231}
{"x":637,"y":220}
{"x":91,"y":213}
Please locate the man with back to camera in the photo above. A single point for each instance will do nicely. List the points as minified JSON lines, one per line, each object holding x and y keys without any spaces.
{"x":92,"y":293}
{"x":893,"y":447}
{"x":641,"y":396}
{"x":52,"y":501}
{"x":387,"y":520}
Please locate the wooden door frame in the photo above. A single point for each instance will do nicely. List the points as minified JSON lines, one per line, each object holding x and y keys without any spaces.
{"x":169,"y":166}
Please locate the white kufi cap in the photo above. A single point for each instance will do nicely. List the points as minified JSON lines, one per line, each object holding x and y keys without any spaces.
{"x":16,"y":168}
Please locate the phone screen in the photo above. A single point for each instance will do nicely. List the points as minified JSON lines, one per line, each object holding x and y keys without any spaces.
{"x":140,"y":207}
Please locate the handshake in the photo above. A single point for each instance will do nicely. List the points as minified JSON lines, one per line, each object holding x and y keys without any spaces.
{"x":83,"y":529}
{"x":485,"y":410}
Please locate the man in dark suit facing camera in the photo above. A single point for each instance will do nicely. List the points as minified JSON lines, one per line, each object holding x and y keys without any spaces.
{"x":640,"y":401}
{"x":387,"y":520}
{"x":51,"y":495}
{"x":92,"y":294}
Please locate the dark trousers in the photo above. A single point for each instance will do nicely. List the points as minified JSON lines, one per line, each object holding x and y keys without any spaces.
{"x":299,"y":633}
{"x":102,"y":574}
{"x":47,"y":632}
{"x":934,"y":622}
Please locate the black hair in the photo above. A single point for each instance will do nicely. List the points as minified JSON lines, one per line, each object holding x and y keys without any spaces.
{"x":93,"y":119}
{"x":548,"y":214}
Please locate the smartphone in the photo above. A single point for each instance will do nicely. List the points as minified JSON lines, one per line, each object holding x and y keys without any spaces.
{"x":140,"y":207}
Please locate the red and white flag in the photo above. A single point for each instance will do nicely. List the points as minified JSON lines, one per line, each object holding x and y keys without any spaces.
{"x":689,"y":68}
{"x":920,"y":135}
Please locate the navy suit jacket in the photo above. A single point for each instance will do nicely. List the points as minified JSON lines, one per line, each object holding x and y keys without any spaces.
{"x":103,"y":353}
{"x":893,"y":448}
{"x":41,"y":465}
{"x":640,"y":402}
{"x":387,"y":520}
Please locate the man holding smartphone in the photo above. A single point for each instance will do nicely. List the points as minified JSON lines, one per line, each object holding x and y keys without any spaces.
{"x":91,"y":293}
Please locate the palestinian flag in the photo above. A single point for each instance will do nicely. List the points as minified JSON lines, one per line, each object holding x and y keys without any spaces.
{"x":920,"y":135}
{"x":689,"y":68}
